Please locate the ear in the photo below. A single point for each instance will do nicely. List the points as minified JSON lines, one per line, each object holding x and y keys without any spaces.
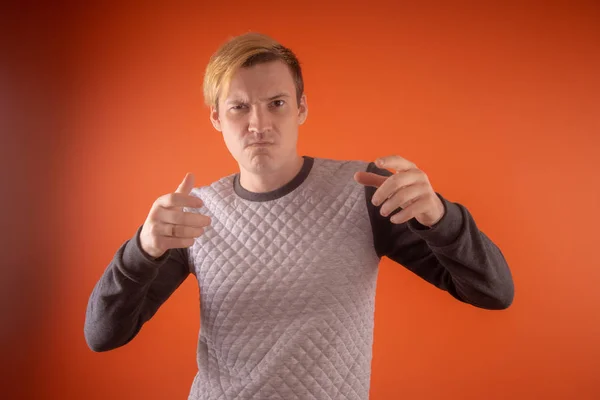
{"x":214,"y":118}
{"x":302,"y":110}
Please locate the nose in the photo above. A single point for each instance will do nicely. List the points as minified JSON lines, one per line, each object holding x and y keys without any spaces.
{"x":259,"y":121}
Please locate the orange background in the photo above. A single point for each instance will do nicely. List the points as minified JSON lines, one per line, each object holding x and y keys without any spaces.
{"x":499,"y":104}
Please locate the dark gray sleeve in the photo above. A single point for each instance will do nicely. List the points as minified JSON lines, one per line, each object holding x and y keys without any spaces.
{"x":453,"y":255}
{"x":129,"y":292}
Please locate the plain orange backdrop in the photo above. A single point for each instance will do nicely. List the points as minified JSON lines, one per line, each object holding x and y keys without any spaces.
{"x":498,"y":104}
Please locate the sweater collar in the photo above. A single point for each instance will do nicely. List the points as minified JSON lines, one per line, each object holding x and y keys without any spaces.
{"x":277,"y":193}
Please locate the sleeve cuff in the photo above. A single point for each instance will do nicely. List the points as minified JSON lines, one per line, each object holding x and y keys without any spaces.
{"x":139,"y":264}
{"x":446,"y":231}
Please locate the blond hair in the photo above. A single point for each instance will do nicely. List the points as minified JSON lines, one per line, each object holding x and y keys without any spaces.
{"x":241,"y":52}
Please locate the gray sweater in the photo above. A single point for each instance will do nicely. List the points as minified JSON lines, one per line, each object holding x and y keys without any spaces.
{"x":287,"y":283}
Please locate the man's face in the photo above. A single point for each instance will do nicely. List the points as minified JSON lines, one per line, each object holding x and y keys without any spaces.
{"x":259,"y":117}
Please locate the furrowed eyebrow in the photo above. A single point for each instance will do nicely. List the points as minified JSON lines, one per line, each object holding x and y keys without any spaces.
{"x":239,"y":100}
{"x":277,"y":96}
{"x":235,"y":101}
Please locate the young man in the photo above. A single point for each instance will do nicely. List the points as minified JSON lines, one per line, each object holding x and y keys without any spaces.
{"x":286,"y":251}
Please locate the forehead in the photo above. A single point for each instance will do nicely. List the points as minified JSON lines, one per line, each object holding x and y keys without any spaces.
{"x":261,"y":79}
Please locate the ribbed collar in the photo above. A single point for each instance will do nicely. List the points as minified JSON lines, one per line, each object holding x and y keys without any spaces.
{"x":277,"y":193}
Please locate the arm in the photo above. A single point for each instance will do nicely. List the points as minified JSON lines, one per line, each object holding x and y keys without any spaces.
{"x":454,"y":255}
{"x":132,"y":288}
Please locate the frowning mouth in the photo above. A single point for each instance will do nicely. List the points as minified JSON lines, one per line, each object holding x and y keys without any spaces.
{"x":259,"y":144}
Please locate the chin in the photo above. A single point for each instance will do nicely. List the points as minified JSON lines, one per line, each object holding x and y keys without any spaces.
{"x":261,"y":162}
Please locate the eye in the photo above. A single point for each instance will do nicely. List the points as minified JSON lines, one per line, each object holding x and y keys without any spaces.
{"x":238,"y":107}
{"x":278,"y":103}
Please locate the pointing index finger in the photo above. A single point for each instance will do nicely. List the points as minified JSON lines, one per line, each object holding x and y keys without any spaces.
{"x":187,"y":184}
{"x":395,"y":162}
{"x":177,"y":199}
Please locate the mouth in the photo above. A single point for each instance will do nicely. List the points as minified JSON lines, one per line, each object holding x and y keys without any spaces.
{"x":259,"y":144}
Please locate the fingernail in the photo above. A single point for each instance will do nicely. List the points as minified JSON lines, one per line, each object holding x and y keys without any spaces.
{"x":379,"y":162}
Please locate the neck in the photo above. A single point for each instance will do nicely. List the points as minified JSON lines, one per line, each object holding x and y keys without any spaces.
{"x":272,"y":180}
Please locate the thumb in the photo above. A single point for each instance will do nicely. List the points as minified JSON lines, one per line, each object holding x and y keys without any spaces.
{"x":187,"y":184}
{"x":369,"y":179}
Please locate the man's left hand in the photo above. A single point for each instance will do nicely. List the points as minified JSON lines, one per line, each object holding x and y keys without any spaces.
{"x":408,"y":188}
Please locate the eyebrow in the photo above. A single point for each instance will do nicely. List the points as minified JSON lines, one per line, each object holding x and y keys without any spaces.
{"x":239,"y":100}
{"x":276,"y":96}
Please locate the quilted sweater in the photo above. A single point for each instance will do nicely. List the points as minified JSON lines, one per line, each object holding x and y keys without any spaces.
{"x":287,"y":283}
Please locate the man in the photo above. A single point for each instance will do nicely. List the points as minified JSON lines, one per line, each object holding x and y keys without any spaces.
{"x":286,"y":251}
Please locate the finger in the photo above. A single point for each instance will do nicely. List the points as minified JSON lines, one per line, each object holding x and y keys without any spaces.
{"x":393,"y":184}
{"x":369,"y":179}
{"x":187,"y":184}
{"x":395,"y":162}
{"x":178,"y":199}
{"x":402,"y":198}
{"x":179,"y":231}
{"x":177,"y":217}
{"x":410,"y":211}
{"x":183,"y":232}
{"x":176,"y":243}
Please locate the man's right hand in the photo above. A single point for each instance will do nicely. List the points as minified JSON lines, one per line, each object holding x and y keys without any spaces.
{"x":168,"y":226}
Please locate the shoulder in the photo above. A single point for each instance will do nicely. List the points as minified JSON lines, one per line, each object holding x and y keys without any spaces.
{"x":215,"y":191}
{"x":340,"y":166}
